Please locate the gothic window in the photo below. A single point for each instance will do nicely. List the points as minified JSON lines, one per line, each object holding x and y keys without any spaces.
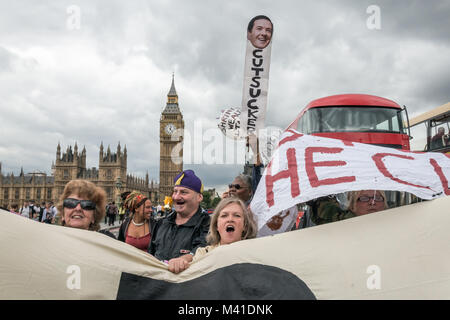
{"x":38,"y":193}
{"x":108,"y":192}
{"x":109,"y":174}
{"x":6,"y":194}
{"x":49,"y":193}
{"x":16,"y":195}
{"x":27,"y":193}
{"x":66,"y":174}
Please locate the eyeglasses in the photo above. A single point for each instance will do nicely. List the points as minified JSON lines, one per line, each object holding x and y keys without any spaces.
{"x":85,"y":204}
{"x":237,"y":186}
{"x":367,"y":199}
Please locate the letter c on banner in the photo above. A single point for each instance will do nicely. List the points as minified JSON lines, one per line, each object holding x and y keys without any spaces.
{"x":441,"y":176}
{"x":377,"y":158}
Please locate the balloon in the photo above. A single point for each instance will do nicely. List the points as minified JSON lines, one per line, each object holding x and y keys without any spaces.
{"x":230,"y":123}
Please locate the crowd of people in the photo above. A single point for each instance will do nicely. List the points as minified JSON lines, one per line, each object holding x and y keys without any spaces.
{"x":186,"y":232}
{"x":46,"y":212}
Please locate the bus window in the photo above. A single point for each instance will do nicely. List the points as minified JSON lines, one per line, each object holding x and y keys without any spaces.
{"x":419,"y":134}
{"x":435,"y":126}
{"x":440,"y":133}
{"x":351,"y":119}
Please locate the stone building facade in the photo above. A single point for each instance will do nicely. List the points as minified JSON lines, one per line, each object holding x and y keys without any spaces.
{"x":111,"y":175}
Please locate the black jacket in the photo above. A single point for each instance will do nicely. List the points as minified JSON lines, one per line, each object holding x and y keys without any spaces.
{"x":107,"y":233}
{"x":124,"y":227}
{"x":170,"y":240}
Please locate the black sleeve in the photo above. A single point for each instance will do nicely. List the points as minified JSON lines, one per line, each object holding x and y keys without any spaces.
{"x":154,"y":231}
{"x":122,"y":230}
{"x":107,"y":233}
{"x":200,"y":237}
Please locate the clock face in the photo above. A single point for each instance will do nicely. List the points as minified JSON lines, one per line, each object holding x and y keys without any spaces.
{"x":170,"y":128}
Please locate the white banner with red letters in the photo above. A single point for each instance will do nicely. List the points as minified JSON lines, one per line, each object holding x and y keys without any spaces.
{"x":306,"y":167}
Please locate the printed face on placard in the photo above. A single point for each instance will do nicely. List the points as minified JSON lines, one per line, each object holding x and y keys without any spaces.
{"x":261,"y":33}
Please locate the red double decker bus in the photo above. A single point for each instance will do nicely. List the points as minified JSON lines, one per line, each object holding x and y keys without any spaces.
{"x":357,"y":118}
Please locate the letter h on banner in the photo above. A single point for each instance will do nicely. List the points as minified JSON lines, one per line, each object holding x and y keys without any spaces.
{"x":291,"y":173}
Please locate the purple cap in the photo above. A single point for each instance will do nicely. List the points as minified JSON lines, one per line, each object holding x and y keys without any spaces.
{"x":188,"y":179}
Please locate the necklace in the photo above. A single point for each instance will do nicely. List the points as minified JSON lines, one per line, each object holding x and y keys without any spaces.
{"x":137,"y":224}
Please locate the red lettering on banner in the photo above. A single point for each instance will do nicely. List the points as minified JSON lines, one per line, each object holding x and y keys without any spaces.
{"x":348,"y":143}
{"x":311,"y":171}
{"x":291,"y":173}
{"x":294,"y":137}
{"x":377,"y":158}
{"x":440,"y":173}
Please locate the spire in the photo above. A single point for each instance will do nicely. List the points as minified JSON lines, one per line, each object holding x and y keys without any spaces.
{"x":172,"y":91}
{"x":172,"y":99}
{"x":100,"y":154}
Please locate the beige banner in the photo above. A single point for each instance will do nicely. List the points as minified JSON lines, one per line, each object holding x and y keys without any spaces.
{"x":402,"y":253}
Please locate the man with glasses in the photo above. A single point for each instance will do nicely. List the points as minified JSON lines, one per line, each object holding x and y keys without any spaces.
{"x":241,"y":187}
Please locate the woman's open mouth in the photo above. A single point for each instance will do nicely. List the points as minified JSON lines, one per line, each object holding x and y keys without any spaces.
{"x":229,"y":228}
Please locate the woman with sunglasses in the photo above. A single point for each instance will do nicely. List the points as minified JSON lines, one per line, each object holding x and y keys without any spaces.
{"x":82,"y":206}
{"x":360,"y":203}
{"x":136,"y":229}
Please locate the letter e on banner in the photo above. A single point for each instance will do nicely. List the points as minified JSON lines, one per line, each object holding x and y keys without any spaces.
{"x":311,"y":171}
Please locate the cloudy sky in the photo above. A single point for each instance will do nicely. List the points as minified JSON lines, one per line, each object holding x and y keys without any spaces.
{"x":108,"y":79}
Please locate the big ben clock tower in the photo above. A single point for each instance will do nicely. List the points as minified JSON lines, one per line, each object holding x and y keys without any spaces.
{"x":171,"y":131}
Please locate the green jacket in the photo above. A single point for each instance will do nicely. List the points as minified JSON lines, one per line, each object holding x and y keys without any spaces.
{"x":328,"y":210}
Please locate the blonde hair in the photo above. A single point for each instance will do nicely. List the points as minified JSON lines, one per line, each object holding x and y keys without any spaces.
{"x":87,"y":190}
{"x":250,"y":229}
{"x":354,"y":195}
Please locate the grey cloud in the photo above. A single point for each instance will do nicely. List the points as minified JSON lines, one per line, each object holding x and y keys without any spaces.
{"x":319,"y":48}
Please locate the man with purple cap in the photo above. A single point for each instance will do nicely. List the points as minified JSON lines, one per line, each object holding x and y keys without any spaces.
{"x":176,"y":237}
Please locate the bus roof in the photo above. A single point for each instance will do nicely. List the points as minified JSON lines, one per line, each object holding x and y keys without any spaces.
{"x":353,"y":100}
{"x":435,"y":113}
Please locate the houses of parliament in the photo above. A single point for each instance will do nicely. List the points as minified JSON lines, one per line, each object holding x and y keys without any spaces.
{"x":111,"y":173}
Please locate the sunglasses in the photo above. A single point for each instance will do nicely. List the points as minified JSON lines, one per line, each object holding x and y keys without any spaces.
{"x":367,"y":199}
{"x":237,"y":186}
{"x":72,"y":203}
